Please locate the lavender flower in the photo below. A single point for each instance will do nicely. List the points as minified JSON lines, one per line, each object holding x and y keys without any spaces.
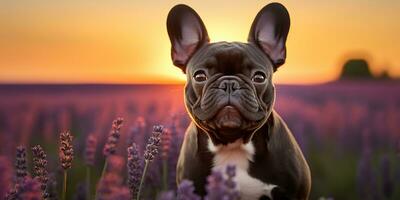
{"x":108,"y":186}
{"x":30,"y":189}
{"x":90,"y":149}
{"x":166,"y":147}
{"x":122,"y":193}
{"x":151,"y":151}
{"x":5,"y":175}
{"x":40,"y":168}
{"x":366,"y":180}
{"x":112,"y":140}
{"x":105,"y":186}
{"x":134,"y":169}
{"x":116,"y":163}
{"x":216,"y":188}
{"x":27,"y":189}
{"x":66,"y":151}
{"x":12,"y":194}
{"x":186,"y":191}
{"x":220,"y":188}
{"x":20,"y":164}
{"x":231,"y":172}
{"x":233,"y":193}
{"x":153,"y":144}
{"x":166,"y":143}
{"x":111,"y":144}
{"x":168,"y":195}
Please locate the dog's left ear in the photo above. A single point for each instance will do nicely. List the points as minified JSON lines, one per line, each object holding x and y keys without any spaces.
{"x":269,"y":32}
{"x":187,"y":33}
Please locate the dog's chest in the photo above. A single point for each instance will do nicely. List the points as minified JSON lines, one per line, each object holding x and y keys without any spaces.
{"x":240,"y":155}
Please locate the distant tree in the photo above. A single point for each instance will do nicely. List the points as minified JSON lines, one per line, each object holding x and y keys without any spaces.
{"x":356,"y":69}
{"x":384,"y":75}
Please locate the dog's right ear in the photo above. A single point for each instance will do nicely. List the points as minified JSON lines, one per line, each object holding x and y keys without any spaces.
{"x":186,"y":32}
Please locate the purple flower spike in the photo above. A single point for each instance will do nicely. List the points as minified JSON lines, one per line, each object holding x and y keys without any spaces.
{"x":233,"y":193}
{"x":20,"y":164}
{"x":168,"y":195}
{"x":5,"y":177}
{"x":90,"y":149}
{"x":112,"y":140}
{"x":231,"y":171}
{"x":108,"y":186}
{"x":216,"y":188}
{"x":66,"y":151}
{"x":153,"y":144}
{"x":28,"y":188}
{"x":220,"y":188}
{"x":121,"y":193}
{"x":134,"y":169}
{"x":186,"y":191}
{"x":40,"y":168}
{"x":166,"y":144}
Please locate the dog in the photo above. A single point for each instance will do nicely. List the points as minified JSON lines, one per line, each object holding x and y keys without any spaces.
{"x":229,"y":96}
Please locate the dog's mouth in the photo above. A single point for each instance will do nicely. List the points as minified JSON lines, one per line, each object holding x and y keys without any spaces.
{"x":227,"y":118}
{"x":228,"y":124}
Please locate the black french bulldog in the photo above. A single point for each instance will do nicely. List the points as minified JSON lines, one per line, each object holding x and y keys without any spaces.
{"x":229,"y":95}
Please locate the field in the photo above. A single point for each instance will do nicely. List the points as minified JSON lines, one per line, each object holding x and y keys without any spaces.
{"x":348,"y":131}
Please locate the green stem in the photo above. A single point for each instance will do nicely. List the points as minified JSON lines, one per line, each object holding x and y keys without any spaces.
{"x":102,"y":175}
{"x":88,"y":182}
{"x":64,"y":192}
{"x":165,"y":175}
{"x":104,"y":169}
{"x":142,"y":179}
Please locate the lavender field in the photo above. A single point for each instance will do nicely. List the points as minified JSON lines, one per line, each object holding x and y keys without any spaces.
{"x":348,"y":131}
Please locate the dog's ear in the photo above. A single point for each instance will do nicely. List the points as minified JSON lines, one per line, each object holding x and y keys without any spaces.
{"x":187,"y":34}
{"x":269,"y":32}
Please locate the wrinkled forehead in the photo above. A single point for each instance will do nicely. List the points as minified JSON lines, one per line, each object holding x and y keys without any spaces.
{"x":230,"y":56}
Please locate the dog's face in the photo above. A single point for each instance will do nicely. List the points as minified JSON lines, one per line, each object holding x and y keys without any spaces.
{"x":229,"y":92}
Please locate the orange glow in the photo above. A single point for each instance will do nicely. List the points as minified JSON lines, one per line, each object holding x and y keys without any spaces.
{"x":127,"y":42}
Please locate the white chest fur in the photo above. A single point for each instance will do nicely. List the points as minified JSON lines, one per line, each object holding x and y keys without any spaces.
{"x":240,"y":154}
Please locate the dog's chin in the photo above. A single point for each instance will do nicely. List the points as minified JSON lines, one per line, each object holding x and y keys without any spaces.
{"x":228,"y":118}
{"x":228,"y":124}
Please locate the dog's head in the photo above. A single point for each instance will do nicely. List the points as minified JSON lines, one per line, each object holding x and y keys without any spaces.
{"x":229,"y":92}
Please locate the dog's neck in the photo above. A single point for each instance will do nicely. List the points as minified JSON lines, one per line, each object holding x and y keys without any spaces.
{"x":236,"y":153}
{"x":240,"y":154}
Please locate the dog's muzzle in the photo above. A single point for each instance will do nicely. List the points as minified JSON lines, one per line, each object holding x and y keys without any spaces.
{"x":231,"y":91}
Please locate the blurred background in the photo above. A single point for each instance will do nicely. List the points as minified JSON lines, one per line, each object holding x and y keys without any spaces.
{"x":77,"y":65}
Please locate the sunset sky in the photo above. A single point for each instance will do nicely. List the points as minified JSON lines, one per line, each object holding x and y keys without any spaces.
{"x":125,"y":41}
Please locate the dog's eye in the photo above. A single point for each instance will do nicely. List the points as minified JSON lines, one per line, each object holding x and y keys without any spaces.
{"x":200,"y":76}
{"x":259,"y":77}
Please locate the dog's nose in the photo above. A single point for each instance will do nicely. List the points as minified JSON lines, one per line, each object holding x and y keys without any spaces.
{"x":229,"y":85}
